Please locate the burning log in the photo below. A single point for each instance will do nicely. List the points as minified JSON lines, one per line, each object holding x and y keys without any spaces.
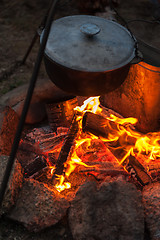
{"x":51,"y":142}
{"x":102,"y":127}
{"x":65,"y":150}
{"x":45,"y":141}
{"x":35,"y":166}
{"x":61,"y":113}
{"x":36,"y":152}
{"x":154,"y":170}
{"x":107,"y":172}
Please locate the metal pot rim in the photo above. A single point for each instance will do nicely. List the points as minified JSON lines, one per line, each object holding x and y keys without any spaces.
{"x":93,"y":71}
{"x":55,"y":54}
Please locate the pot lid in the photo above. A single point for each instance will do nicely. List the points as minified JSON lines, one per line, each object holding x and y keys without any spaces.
{"x":89,"y":43}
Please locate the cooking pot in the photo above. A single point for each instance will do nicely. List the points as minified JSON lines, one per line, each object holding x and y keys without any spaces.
{"x":88,"y":55}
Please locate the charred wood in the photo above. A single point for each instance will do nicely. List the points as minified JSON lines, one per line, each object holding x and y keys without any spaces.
{"x":112,"y":172}
{"x":65,"y":150}
{"x":137,"y":171}
{"x":61,"y":113}
{"x":52,"y":142}
{"x":27,"y":146}
{"x":99,"y":125}
{"x":38,"y":164}
{"x":36,"y":156}
{"x":102,"y":127}
{"x":46,"y":141}
{"x":44,"y":144}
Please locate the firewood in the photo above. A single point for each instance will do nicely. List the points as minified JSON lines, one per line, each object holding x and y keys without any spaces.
{"x":36,"y":156}
{"x":65,"y":150}
{"x":137,"y":171}
{"x":26,"y":146}
{"x":35,"y":166}
{"x":102,"y":127}
{"x":61,"y":113}
{"x":44,"y":141}
{"x":112,"y":172}
{"x":51,"y":142}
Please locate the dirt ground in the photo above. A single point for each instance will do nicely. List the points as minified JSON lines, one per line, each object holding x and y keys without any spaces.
{"x":19,"y":21}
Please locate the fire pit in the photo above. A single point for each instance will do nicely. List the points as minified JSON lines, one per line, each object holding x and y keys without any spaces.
{"x":101,"y":169}
{"x":96,"y":169}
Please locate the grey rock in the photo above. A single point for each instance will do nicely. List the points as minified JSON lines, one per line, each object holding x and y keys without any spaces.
{"x":45,"y":92}
{"x":110,"y":211}
{"x":14,"y":184}
{"x":38,"y":207}
{"x":151,"y":200}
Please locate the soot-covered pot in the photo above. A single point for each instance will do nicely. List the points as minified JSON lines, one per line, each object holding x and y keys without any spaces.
{"x":88,"y":55}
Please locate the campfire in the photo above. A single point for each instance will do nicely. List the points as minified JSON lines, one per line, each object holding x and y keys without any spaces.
{"x":95,"y":145}
{"x":134,"y":151}
{"x":87,"y":168}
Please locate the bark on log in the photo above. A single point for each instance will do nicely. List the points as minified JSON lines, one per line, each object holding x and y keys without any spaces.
{"x":102,"y":127}
{"x":34,"y":159}
{"x":38,"y":164}
{"x":61,"y":113}
{"x":68,"y":142}
{"x":46,"y":141}
{"x":52,"y":142}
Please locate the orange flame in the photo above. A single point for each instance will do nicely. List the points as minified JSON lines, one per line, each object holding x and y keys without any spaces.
{"x":61,"y":186}
{"x":148,"y":144}
{"x":90,"y":104}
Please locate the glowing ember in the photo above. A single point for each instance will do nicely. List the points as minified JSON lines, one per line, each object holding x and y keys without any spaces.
{"x":133,"y":142}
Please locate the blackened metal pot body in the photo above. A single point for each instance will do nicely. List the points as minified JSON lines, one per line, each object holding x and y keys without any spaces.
{"x":88,"y":55}
{"x":81,"y":83}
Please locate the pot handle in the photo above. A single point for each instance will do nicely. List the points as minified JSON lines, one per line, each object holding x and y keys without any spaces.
{"x":138,"y":58}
